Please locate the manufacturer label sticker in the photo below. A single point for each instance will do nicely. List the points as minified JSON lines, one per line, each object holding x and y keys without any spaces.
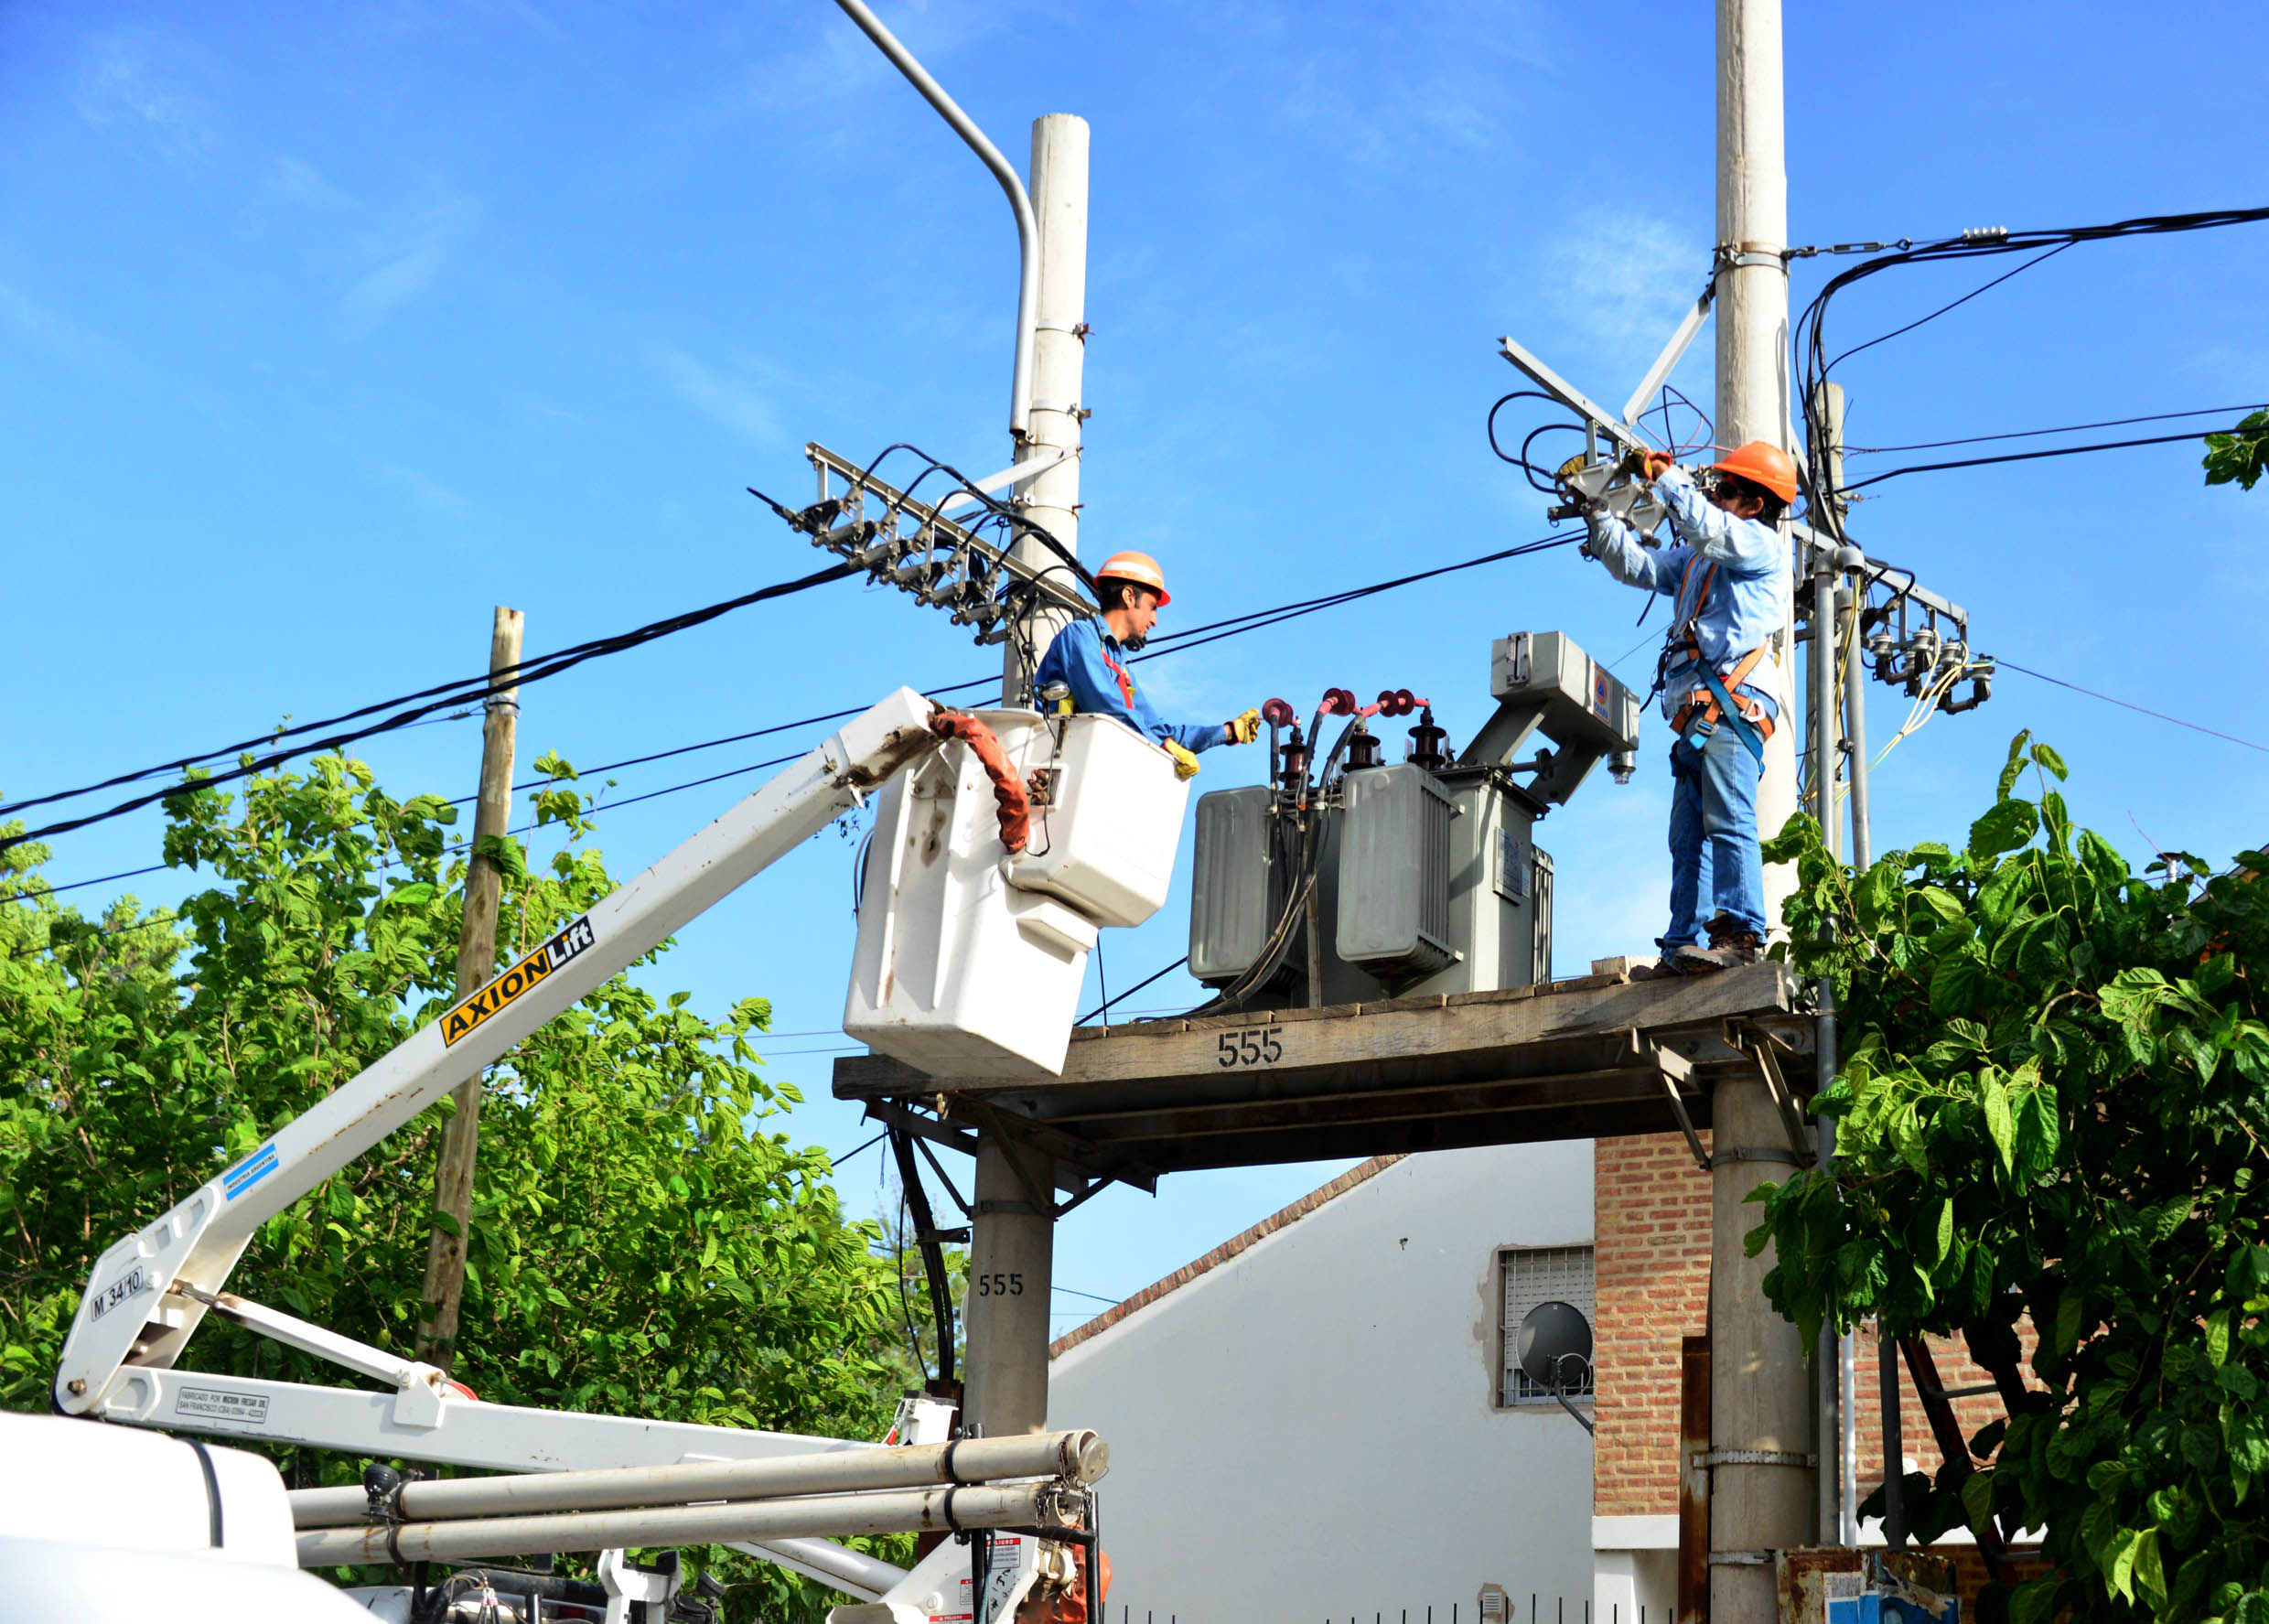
{"x":249,"y":1171}
{"x":132,"y":1284}
{"x":240,"y":1409}
{"x":508,"y":986}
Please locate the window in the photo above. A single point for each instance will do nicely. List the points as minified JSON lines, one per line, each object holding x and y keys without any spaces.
{"x":1529,"y":1275}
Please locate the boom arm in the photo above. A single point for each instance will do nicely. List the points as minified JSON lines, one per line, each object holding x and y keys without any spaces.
{"x":149,"y":1291}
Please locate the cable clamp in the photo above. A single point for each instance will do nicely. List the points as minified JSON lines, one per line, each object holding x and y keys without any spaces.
{"x":1026,"y":1209}
{"x":1068,"y":408}
{"x":950,"y":1521}
{"x":500,"y":705}
{"x":1744,"y":1558}
{"x":1078,"y":329}
{"x":1705,"y":1459}
{"x":1730,"y":256}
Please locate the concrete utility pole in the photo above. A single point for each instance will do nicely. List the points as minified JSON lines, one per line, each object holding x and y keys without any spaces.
{"x":1752,"y":328}
{"x":1012,"y":1239}
{"x":476,"y":964}
{"x":1051,"y":497}
{"x":1761,"y":1498}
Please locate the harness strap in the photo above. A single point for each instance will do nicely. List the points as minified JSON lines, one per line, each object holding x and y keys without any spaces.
{"x":1742,"y":730}
{"x":1126,"y":684}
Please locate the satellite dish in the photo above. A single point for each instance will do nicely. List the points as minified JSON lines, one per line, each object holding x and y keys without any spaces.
{"x":1552,"y":1346}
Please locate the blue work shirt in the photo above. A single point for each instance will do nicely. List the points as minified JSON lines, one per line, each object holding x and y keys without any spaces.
{"x":1083,"y":657}
{"x":1748,"y":595}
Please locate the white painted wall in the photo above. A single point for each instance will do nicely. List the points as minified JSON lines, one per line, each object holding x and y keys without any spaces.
{"x":1307,"y":1431}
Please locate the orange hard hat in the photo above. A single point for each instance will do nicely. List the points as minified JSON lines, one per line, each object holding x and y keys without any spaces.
{"x":1762,"y":462}
{"x":1138,"y":567}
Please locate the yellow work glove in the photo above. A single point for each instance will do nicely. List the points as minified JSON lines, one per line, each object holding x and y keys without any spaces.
{"x":1243,"y":727}
{"x":1185,"y":764}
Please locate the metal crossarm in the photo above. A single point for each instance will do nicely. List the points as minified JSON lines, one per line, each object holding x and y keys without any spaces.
{"x":911,"y":544}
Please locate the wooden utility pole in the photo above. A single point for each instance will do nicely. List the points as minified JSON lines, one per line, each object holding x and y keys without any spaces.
{"x":476,"y":964}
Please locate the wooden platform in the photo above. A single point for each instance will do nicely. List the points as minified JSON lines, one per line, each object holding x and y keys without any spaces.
{"x":1595,"y":1056}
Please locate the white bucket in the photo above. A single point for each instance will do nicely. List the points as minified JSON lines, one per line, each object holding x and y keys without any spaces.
{"x":969,"y":961}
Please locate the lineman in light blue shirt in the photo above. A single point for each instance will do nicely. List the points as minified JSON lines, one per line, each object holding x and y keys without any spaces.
{"x":1728,"y":578}
{"x":1090,"y":657}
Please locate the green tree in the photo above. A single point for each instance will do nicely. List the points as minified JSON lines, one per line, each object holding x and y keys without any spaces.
{"x":2055,"y":1103}
{"x":642,"y":1239}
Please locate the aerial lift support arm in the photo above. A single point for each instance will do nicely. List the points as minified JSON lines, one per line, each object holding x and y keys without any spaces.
{"x":151,"y":1290}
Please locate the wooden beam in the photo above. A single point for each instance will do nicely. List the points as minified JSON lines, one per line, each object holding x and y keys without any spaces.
{"x":1629,"y":1086}
{"x":1418,"y":1034}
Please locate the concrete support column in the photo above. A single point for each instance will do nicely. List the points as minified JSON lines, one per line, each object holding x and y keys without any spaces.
{"x":1760,"y":1391}
{"x":1012,"y":1255}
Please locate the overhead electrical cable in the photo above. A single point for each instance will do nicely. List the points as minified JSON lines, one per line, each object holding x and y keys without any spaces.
{"x":2129,"y":705}
{"x":2068,"y":428}
{"x":1979,"y":462}
{"x":1809,"y":331}
{"x":520,"y":675}
{"x":1212,"y":631}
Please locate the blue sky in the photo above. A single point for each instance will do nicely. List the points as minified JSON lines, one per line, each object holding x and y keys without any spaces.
{"x":322,"y":329}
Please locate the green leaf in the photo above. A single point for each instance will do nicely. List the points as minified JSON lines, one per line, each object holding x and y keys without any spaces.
{"x":2047,"y":758}
{"x":1958,"y":982}
{"x":2150,"y":1579}
{"x":509,"y":857}
{"x":2000,"y":1127}
{"x":2014,"y":768}
{"x":2006,"y":827}
{"x":2035,"y":1601}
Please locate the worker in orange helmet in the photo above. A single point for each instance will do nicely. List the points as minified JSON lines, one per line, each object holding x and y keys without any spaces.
{"x":1728,"y":574}
{"x":1090,"y":659}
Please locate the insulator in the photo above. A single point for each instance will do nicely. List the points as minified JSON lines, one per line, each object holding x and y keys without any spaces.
{"x":1277,"y":713}
{"x":1427,"y":742}
{"x":1292,"y":756}
{"x":1362,"y":748}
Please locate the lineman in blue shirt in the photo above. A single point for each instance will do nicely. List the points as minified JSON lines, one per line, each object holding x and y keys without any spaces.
{"x":1728,"y":577}
{"x":1090,"y":658}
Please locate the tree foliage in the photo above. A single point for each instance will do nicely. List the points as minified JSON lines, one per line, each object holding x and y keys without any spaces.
{"x":2055,"y":1104}
{"x":2240,"y":456}
{"x":640,"y":1241}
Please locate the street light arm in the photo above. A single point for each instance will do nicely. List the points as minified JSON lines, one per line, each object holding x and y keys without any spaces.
{"x":1028,"y":226}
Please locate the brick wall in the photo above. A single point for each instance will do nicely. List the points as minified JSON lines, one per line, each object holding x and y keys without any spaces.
{"x":1650,"y":1209}
{"x":1651,"y":1212}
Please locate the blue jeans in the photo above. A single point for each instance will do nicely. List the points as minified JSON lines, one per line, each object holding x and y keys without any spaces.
{"x":1713,"y":839}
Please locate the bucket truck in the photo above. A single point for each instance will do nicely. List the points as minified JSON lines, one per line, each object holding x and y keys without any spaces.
{"x":948,"y":887}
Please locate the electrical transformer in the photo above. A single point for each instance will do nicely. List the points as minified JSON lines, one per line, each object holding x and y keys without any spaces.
{"x":1351,"y":878}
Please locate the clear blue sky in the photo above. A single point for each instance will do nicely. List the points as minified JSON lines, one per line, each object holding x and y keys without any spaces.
{"x":323,"y":329}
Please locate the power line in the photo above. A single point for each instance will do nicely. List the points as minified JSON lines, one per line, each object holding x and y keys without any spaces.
{"x":520,"y":675}
{"x":1953,"y":304}
{"x":1979,"y":462}
{"x":81,"y":885}
{"x":2130,"y":704}
{"x":1810,"y":331}
{"x":2069,"y":428}
{"x":1130,"y":991}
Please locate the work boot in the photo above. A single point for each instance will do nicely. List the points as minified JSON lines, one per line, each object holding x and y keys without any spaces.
{"x":1734,"y":943}
{"x":1662,"y":969}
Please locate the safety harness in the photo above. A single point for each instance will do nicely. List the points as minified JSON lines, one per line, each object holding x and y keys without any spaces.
{"x":1702,"y":709}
